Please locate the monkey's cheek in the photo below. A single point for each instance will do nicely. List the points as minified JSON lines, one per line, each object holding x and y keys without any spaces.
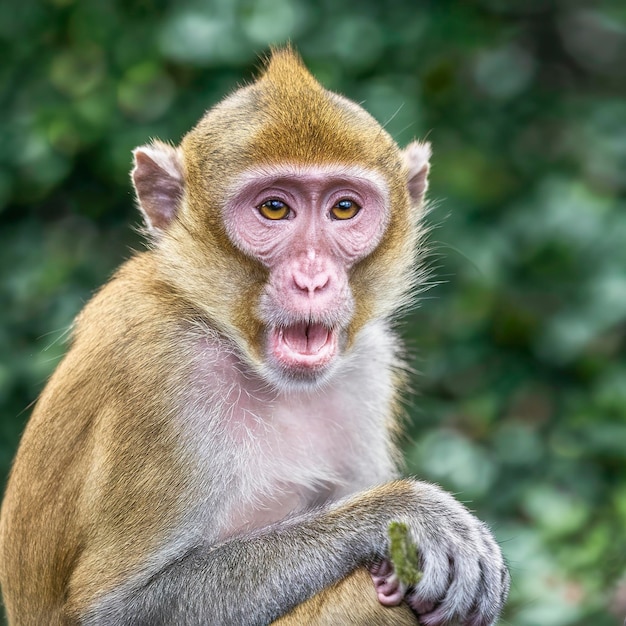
{"x":303,"y":348}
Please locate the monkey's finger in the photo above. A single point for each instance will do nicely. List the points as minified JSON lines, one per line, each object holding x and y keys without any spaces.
{"x":388,"y":587}
{"x":438,"y":572}
{"x":381,"y":568}
{"x":459,"y":599}
{"x":494,"y":588}
{"x":391,"y":592}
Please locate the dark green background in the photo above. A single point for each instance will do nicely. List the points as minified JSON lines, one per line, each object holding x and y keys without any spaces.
{"x":520,"y":404}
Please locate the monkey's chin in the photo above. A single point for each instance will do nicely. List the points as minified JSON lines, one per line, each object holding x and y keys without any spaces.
{"x":304,"y":350}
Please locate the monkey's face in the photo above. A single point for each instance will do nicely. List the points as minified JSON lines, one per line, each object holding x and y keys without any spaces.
{"x":308,"y":226}
{"x":289,"y":218}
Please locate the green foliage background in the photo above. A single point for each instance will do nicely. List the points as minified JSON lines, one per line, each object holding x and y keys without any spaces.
{"x":520,"y":342}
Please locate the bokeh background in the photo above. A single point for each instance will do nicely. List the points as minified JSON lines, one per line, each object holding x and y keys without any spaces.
{"x":519,"y":344}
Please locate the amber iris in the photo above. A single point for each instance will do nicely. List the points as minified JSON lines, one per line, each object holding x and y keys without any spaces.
{"x":274,"y":210}
{"x":345,"y":210}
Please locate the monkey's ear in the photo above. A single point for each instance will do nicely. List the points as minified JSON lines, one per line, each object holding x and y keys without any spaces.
{"x":417,"y":160}
{"x":159,"y":183}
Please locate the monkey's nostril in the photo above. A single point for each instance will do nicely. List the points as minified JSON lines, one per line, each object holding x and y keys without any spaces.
{"x":320,"y":282}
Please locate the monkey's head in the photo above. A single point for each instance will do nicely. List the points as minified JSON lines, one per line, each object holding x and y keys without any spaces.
{"x":289,"y":218}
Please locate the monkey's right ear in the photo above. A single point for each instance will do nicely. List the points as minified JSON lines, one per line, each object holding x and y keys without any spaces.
{"x":417,"y":161}
{"x":159,"y":183}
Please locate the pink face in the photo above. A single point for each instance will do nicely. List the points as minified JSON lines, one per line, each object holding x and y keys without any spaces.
{"x":308,"y":226}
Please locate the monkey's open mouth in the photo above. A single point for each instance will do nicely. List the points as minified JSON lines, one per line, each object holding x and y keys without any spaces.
{"x":303,"y":345}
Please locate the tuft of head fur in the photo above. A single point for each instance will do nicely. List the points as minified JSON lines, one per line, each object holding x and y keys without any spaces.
{"x":286,"y":116}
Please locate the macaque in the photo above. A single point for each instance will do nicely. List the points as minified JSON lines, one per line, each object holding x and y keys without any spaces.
{"x":218,"y":446}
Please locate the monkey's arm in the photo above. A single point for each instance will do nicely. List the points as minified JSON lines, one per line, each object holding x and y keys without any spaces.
{"x":259,"y":577}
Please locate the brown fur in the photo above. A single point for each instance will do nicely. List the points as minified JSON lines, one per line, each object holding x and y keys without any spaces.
{"x":87,"y":475}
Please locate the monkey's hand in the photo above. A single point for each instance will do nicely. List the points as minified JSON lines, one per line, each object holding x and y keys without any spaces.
{"x":464,"y":578}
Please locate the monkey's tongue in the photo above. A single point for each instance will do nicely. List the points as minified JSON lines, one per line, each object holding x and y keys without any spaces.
{"x":304,"y":345}
{"x":305,"y":338}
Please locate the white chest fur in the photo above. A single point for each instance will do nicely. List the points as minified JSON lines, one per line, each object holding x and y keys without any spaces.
{"x":287,"y":451}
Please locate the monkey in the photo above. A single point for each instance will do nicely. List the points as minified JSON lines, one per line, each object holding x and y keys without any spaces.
{"x":219,"y":445}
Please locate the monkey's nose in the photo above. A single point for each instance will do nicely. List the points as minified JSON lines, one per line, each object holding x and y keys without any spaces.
{"x":311,"y":283}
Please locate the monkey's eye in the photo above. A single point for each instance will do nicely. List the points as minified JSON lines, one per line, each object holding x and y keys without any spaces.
{"x":273,"y":209}
{"x":345,"y":210}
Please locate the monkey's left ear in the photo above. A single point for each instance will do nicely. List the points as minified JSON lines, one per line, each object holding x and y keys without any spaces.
{"x":159,"y":183}
{"x":417,"y":161}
